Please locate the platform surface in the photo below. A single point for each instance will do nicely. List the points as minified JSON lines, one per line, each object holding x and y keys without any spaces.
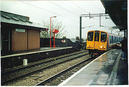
{"x":44,"y":49}
{"x":101,"y":71}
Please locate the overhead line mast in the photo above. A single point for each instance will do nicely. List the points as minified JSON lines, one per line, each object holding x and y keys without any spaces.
{"x":90,"y":16}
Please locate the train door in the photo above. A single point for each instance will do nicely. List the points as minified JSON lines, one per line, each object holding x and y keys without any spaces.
{"x":90,"y":40}
{"x":96,"y":40}
{"x":103,"y":44}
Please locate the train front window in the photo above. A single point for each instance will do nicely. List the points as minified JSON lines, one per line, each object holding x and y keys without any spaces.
{"x":103,"y":36}
{"x":90,"y":36}
{"x":96,"y":36}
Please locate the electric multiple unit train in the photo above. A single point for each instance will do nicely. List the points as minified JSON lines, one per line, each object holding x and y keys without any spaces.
{"x":100,"y":41}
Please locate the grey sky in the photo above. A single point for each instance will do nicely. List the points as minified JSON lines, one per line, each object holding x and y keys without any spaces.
{"x":67,"y":12}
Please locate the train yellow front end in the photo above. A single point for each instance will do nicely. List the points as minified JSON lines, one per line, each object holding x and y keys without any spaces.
{"x":97,"y":41}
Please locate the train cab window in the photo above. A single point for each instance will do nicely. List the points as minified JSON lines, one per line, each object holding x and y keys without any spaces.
{"x":96,"y":36}
{"x":90,"y":36}
{"x":103,"y":36}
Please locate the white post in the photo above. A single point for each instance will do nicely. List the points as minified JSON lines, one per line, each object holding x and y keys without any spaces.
{"x":25,"y":62}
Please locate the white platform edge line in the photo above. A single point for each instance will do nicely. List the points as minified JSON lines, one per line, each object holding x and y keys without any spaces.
{"x":64,"y":82}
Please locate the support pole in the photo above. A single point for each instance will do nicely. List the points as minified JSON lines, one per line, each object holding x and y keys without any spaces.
{"x":80,"y":28}
{"x":100,"y":19}
{"x":50,"y":34}
{"x":54,"y":41}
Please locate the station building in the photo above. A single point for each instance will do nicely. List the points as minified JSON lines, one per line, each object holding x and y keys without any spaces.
{"x":18,"y":33}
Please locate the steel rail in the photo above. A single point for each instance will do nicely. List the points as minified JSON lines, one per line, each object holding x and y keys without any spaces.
{"x":29,"y":73}
{"x":31,"y":65}
{"x":60,"y":73}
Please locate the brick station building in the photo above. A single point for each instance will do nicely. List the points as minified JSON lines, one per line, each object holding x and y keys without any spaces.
{"x":18,"y":33}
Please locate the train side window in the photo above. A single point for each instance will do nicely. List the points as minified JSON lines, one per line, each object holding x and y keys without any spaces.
{"x":97,"y":36}
{"x":103,"y":36}
{"x":90,"y":36}
{"x":110,"y":39}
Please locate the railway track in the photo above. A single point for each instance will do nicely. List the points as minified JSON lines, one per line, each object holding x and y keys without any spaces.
{"x":15,"y":74}
{"x":49,"y":81}
{"x":7,"y":71}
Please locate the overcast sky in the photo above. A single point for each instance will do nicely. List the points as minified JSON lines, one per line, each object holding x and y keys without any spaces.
{"x":67,"y":13}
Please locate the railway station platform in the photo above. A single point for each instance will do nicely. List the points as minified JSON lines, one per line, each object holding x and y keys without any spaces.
{"x":16,"y":59}
{"x":107,"y":69}
{"x":44,"y":49}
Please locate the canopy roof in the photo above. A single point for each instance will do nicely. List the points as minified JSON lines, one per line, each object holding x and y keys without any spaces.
{"x":18,"y":21}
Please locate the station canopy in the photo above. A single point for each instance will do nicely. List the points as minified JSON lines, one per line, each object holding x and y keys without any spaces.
{"x":117,"y":10}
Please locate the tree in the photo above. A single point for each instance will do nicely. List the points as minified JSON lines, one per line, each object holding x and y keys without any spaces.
{"x":64,"y":37}
{"x":56,"y":25}
{"x":77,"y":38}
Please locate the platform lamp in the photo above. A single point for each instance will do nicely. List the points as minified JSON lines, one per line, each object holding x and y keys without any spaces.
{"x":50,"y":30}
{"x":55,"y":31}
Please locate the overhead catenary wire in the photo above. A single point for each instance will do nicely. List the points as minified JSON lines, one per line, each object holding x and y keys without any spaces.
{"x":66,"y":11}
{"x":40,"y":8}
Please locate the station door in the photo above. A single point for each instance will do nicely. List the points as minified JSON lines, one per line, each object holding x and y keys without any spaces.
{"x":25,"y":40}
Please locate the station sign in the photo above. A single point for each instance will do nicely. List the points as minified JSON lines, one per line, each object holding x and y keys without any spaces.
{"x":55,"y":31}
{"x":20,"y":30}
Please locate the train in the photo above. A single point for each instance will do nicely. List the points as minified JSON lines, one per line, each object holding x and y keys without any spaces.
{"x":100,"y":41}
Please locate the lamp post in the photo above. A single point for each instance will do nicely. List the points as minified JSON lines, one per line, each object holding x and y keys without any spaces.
{"x":50,"y":30}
